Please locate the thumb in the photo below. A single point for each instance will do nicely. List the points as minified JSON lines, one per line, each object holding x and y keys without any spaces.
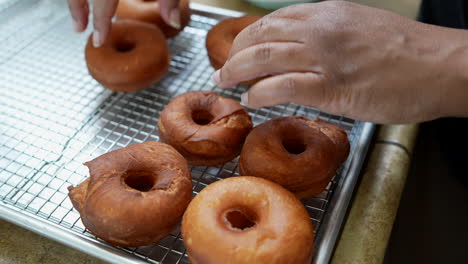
{"x":170,"y":12}
{"x":300,"y":88}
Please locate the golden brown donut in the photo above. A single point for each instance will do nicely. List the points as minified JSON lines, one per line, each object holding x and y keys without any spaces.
{"x":300,"y":154}
{"x":247,"y":220}
{"x":148,"y":11}
{"x":219,"y":39}
{"x":205,"y":128}
{"x":135,"y":195}
{"x":134,"y":56}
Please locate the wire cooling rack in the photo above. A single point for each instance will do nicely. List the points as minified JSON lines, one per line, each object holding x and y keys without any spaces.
{"x":54,"y":117}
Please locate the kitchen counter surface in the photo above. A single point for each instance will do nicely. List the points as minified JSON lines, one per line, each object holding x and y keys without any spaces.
{"x":367,"y":229}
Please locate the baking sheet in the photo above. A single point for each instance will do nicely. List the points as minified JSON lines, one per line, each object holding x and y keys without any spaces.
{"x":54,"y":117}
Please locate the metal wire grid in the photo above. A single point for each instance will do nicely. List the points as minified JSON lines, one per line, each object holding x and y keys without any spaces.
{"x":55,"y":117}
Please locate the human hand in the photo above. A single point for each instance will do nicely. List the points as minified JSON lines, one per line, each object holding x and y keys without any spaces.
{"x":104,"y":10}
{"x":351,"y":60}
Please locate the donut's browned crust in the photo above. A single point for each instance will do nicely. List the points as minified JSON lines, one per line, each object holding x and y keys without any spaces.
{"x":219,"y":39}
{"x":282,"y":232}
{"x":134,"y":56}
{"x":148,"y":11}
{"x":218,"y":141}
{"x":265,"y":153}
{"x":122,"y":215}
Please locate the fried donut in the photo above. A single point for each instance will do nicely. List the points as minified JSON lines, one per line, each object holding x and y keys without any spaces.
{"x":135,"y":195}
{"x":247,"y":220}
{"x":148,"y":11}
{"x":219,"y":39}
{"x":300,"y":154}
{"x":205,"y":128}
{"x":134,"y":56}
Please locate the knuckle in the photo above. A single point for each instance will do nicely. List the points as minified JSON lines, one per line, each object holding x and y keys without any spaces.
{"x":262,"y":54}
{"x":334,"y":97}
{"x":101,"y":22}
{"x":296,"y":52}
{"x":336,"y":4}
{"x":289,"y":84}
{"x":257,"y":27}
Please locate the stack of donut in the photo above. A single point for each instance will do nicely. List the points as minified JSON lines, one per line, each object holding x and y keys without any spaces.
{"x":135,"y":54}
{"x":138,"y":194}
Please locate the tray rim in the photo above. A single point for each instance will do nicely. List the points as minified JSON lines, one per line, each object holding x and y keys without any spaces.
{"x":333,"y":221}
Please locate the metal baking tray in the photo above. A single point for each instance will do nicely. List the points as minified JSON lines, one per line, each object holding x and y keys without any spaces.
{"x":54,"y":117}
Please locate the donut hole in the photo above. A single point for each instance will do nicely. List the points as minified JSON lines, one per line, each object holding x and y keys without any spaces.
{"x":124,"y":46}
{"x":202,"y":117}
{"x":139,"y":181}
{"x":294,"y":145}
{"x":239,"y":220}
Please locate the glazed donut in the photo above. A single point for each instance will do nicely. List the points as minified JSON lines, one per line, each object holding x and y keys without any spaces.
{"x":135,"y":195}
{"x":219,"y":39}
{"x":300,"y":154}
{"x":134,"y":56}
{"x":148,"y":11}
{"x":247,"y":220}
{"x":205,"y":128}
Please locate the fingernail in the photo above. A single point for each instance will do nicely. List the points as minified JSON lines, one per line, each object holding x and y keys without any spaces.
{"x":96,"y":39}
{"x":217,"y":76}
{"x":77,"y":26}
{"x":244,"y":99}
{"x":174,"y":18}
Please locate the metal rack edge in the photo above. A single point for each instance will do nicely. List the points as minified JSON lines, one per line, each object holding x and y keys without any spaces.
{"x":344,"y":192}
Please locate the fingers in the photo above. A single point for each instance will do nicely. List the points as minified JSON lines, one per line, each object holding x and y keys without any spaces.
{"x":79,"y":10}
{"x":300,"y":88}
{"x":170,"y":12}
{"x":267,"y":29}
{"x":103,"y":12}
{"x":261,"y":60}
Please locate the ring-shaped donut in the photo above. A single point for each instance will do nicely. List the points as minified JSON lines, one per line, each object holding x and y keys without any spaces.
{"x":300,"y":154}
{"x":247,"y":220}
{"x":205,"y":128}
{"x":135,"y":195}
{"x":134,"y":56}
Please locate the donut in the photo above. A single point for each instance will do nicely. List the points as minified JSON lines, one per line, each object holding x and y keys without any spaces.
{"x":300,"y":154}
{"x":220,"y":37}
{"x":247,"y":220}
{"x":205,"y":128}
{"x":148,"y":11}
{"x":135,"y":195}
{"x":134,"y":56}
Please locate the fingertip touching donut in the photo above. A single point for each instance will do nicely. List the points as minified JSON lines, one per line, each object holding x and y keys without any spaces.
{"x":149,"y":11}
{"x":135,"y":195}
{"x":134,"y":56}
{"x":205,"y":128}
{"x":300,"y":154}
{"x":247,"y":220}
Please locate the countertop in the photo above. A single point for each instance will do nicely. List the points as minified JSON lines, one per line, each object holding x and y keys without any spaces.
{"x":368,"y":226}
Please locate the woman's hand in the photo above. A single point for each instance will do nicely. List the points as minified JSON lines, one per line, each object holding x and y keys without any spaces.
{"x":351,"y":60}
{"x":104,"y":10}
